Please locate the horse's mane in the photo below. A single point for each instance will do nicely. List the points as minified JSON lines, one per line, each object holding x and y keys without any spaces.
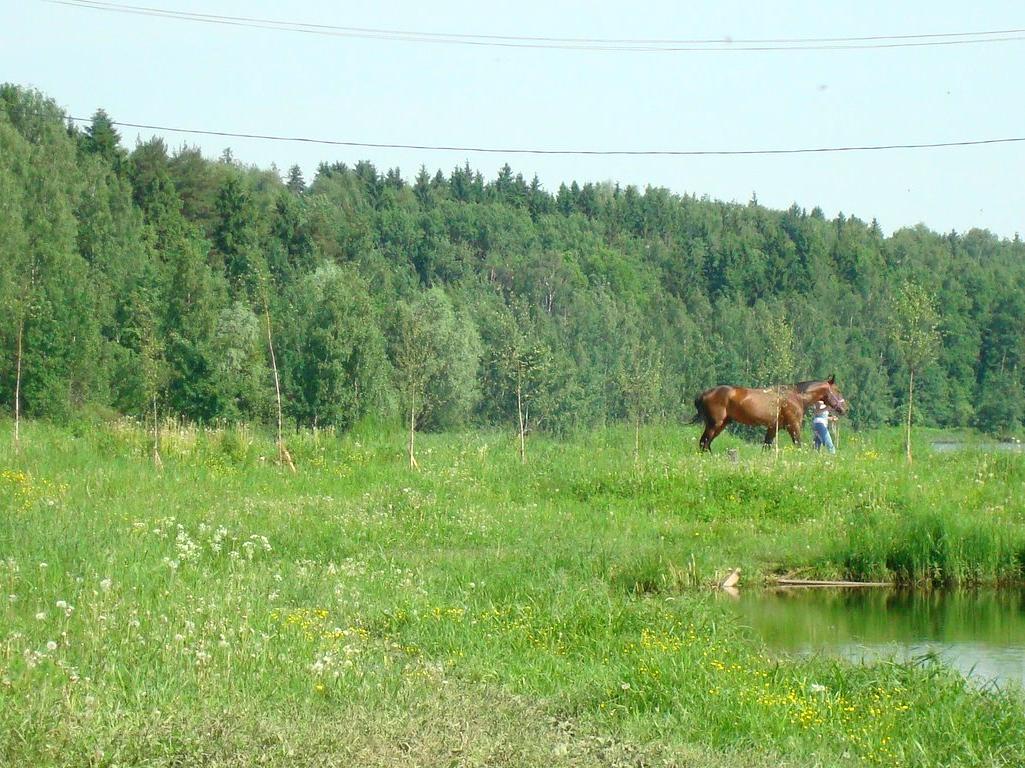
{"x":804,"y":386}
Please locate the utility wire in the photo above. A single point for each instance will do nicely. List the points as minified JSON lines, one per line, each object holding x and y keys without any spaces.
{"x":603,"y":152}
{"x":721,"y":45}
{"x":631,"y":41}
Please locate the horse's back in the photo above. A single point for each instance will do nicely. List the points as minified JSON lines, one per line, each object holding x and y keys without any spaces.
{"x":746,"y":405}
{"x":755,"y":406}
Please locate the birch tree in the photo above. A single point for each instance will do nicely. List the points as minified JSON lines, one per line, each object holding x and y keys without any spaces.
{"x":640,"y":384}
{"x":777,"y":367}
{"x":915,"y":334}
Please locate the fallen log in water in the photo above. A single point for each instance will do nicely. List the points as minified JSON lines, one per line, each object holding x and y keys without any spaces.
{"x":821,"y":583}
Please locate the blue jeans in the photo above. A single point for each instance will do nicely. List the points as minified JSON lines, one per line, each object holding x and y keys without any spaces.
{"x":822,"y":436}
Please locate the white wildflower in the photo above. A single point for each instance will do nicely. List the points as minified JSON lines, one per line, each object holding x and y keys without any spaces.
{"x":187,"y":548}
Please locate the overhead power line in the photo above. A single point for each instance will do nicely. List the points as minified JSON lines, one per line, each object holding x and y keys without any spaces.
{"x":602,"y":152}
{"x":636,"y":45}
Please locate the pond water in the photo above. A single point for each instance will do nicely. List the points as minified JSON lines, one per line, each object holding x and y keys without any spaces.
{"x":948,"y":446}
{"x":979,"y":633}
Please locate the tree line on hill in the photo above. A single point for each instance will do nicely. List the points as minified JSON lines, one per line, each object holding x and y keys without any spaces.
{"x":145,"y":281}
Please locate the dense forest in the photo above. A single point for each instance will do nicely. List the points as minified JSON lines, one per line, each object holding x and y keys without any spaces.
{"x":142,"y":280}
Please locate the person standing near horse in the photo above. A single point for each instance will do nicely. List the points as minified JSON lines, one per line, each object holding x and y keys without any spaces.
{"x":770,"y":408}
{"x":820,"y":426}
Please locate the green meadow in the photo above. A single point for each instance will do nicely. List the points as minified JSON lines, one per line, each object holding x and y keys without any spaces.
{"x":223,"y":611}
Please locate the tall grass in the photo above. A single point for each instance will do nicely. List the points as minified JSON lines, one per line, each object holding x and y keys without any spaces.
{"x":223,"y":611}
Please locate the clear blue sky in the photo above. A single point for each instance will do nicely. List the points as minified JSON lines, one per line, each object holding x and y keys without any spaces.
{"x":178,"y":73}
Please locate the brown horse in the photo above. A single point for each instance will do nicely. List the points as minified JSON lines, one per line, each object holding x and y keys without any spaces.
{"x":774,"y":407}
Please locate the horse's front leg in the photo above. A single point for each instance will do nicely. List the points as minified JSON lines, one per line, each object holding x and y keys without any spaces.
{"x":770,"y":437}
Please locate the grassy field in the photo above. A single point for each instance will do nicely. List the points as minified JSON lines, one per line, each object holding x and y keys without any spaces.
{"x":224,"y":612}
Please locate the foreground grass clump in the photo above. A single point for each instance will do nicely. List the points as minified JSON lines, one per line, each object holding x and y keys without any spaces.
{"x":224,"y":612}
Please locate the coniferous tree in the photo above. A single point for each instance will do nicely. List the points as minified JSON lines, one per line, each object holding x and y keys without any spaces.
{"x":296,"y":184}
{"x":236,"y":237}
{"x":101,"y":138}
{"x":422,"y":187}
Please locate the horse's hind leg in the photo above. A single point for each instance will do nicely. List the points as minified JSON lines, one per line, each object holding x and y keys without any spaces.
{"x":710,"y":433}
{"x":795,"y":434}
{"x":716,"y":430}
{"x":715,"y":421}
{"x":770,"y":437}
{"x":706,"y":437}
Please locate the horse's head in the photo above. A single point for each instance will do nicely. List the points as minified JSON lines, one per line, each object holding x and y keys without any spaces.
{"x":833,"y":398}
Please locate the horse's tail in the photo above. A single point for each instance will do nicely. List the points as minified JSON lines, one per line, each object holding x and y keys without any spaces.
{"x":699,"y":404}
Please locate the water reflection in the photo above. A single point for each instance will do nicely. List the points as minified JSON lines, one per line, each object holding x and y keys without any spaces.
{"x":948,"y":446}
{"x":980,"y":633}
